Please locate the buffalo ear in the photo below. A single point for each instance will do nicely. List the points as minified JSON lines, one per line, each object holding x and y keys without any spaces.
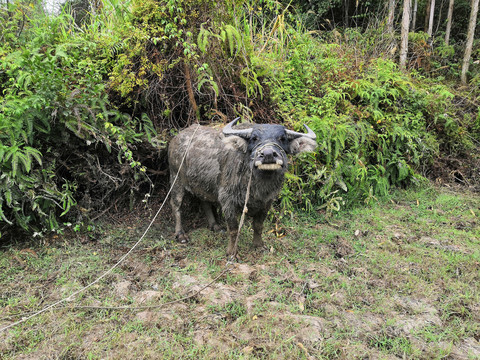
{"x":235,"y":143}
{"x":302,"y":144}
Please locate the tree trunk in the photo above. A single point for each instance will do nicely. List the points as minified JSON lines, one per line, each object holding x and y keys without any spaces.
{"x":468,"y":47}
{"x":430,"y":21}
{"x":391,"y":15}
{"x":449,"y":22}
{"x":404,"y":33}
{"x":440,"y":12}
{"x":414,"y":15}
{"x":191,"y":96}
{"x":346,"y":6}
{"x":427,"y":14}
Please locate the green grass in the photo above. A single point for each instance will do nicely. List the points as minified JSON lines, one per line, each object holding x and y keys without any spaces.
{"x":397,"y":278}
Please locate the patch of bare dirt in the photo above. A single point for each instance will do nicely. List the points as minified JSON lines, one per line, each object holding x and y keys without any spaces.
{"x":414,"y":314}
{"x":215,"y":294}
{"x":467,"y":349}
{"x":442,"y":245}
{"x":361,"y":324}
{"x":122,"y":289}
{"x":456,"y":171}
{"x":341,"y":247}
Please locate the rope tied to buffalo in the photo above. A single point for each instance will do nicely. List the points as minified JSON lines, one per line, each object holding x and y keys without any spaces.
{"x":244,"y":212}
{"x":27,"y":316}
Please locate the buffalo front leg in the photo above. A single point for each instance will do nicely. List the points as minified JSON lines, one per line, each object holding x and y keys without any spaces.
{"x":232,"y":247}
{"x":176,"y":203}
{"x":258,"y":221}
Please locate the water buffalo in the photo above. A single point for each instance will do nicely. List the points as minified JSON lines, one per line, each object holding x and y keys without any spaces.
{"x":217,"y":170}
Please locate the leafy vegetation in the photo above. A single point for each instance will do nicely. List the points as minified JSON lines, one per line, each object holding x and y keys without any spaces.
{"x":91,"y":96}
{"x":56,"y":119}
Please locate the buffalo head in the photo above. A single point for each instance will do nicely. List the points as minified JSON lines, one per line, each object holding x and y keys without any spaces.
{"x":268,"y":145}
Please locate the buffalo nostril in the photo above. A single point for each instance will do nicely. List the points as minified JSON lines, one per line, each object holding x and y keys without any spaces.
{"x":268,"y":155}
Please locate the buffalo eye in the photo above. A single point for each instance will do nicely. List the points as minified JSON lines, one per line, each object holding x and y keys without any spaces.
{"x":282,"y":138}
{"x":254,"y":138}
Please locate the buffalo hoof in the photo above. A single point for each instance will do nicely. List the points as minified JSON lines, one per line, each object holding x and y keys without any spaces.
{"x":182,"y":238}
{"x":217,"y":228}
{"x":232,"y":253}
{"x":259,"y":245}
{"x":233,"y":258}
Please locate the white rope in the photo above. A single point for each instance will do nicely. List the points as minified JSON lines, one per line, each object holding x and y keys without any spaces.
{"x":242,"y":218}
{"x":70,"y":298}
{"x":247,"y":194}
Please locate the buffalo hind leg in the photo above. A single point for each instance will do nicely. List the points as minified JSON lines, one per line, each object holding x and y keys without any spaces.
{"x":176,"y":203}
{"x":258,"y":221}
{"x":211,"y":218}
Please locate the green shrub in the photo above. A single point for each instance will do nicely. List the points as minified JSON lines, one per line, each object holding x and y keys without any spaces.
{"x":54,"y":114}
{"x":82,"y":103}
{"x":372,"y":122}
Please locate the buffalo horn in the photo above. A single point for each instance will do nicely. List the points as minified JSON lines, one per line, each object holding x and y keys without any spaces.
{"x":293,"y":134}
{"x":227,"y":130}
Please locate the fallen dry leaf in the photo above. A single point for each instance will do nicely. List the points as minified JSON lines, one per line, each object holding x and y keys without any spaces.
{"x":29,"y":251}
{"x":301,"y":304}
{"x":247,"y":349}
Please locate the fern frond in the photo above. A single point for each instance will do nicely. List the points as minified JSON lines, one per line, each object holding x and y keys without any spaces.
{"x":32,"y":152}
{"x":26,"y":160}
{"x":232,"y":34}
{"x":21,"y":219}
{"x":11,"y":150}
{"x":202,"y":39}
{"x":8,"y":197}
{"x":15,"y":163}
{"x":3,"y":217}
{"x":200,"y":83}
{"x":42,"y":125}
{"x":215,"y":87}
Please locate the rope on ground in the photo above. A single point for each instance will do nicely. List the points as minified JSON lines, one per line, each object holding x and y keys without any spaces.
{"x":70,"y":298}
{"x":144,"y":307}
{"x":147,"y":307}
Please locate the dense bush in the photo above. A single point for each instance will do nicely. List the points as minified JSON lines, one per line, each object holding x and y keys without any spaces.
{"x":377,"y":126}
{"x":59,"y":131}
{"x":82,"y":101}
